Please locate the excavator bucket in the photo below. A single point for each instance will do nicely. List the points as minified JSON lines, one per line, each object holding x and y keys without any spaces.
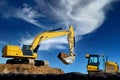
{"x":65,"y":58}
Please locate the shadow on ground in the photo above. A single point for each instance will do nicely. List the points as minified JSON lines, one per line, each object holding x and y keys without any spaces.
{"x":67,"y":76}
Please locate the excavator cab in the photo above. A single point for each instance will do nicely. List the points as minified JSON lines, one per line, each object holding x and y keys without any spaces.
{"x":26,"y":50}
{"x":93,"y":63}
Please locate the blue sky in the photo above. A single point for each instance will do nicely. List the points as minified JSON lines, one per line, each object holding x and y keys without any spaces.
{"x":96,"y":25}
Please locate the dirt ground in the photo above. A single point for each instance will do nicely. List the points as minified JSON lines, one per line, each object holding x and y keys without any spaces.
{"x":28,"y":69}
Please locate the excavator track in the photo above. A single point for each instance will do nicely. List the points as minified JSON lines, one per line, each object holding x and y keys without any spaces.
{"x":27,"y":61}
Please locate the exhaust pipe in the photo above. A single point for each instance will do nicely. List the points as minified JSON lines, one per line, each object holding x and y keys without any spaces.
{"x":65,"y":58}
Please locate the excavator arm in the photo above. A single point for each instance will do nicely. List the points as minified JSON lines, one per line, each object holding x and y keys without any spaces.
{"x":51,"y":34}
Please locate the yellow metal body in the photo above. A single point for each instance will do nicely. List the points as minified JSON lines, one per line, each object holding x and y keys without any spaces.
{"x":13,"y":51}
{"x":111,"y":67}
{"x":91,"y":68}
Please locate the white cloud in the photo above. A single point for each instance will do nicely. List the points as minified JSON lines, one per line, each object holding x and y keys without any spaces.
{"x":28,"y":14}
{"x":57,"y":43}
{"x":2,"y":42}
{"x":24,"y":12}
{"x":86,"y":16}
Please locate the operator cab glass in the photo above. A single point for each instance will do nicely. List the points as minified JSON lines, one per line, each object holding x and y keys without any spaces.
{"x":26,"y":50}
{"x":26,"y":47}
{"x":93,"y":60}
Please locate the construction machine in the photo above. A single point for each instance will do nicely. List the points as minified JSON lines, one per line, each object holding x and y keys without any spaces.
{"x":28,"y":53}
{"x":93,"y":66}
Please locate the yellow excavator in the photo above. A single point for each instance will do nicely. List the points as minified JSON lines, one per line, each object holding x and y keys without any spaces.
{"x":28,"y":53}
{"x":93,"y":66}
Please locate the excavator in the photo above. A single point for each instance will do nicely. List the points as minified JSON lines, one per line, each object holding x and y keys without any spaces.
{"x":93,"y":66}
{"x":28,"y":53}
